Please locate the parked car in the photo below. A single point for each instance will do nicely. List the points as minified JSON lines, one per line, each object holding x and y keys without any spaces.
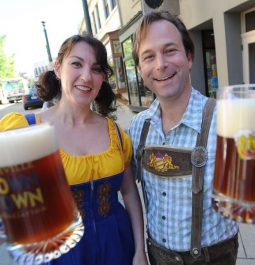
{"x":31,"y":99}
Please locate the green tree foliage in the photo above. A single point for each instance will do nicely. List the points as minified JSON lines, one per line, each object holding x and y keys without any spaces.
{"x":7,"y":69}
{"x":127,"y":47}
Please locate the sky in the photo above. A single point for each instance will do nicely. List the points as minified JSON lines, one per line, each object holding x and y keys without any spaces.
{"x":20,"y":21}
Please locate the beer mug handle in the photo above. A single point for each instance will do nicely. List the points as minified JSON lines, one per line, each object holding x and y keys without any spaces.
{"x":2,"y":231}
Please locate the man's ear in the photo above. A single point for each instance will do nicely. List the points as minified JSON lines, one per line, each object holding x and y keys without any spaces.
{"x":190,"y":60}
{"x":139,"y":70}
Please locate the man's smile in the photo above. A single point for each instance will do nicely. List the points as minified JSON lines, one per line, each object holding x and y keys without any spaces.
{"x":164,"y":77}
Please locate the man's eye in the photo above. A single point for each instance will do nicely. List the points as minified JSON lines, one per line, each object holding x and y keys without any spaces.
{"x":168,"y":51}
{"x":147,"y":57}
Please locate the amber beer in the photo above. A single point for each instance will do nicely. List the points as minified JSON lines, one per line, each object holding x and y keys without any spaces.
{"x":36,"y":203}
{"x":234,"y":176}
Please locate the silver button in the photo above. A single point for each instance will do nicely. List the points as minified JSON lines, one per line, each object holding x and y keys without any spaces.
{"x":199,"y":156}
{"x":195,"y":251}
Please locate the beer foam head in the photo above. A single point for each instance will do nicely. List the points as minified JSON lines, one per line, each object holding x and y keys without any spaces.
{"x":234,"y":115}
{"x":23,"y":145}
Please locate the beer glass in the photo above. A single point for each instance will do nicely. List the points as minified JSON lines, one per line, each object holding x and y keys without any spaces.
{"x":39,"y":215}
{"x":234,"y":175}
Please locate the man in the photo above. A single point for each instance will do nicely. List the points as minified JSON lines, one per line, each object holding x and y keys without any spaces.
{"x":176,"y":152}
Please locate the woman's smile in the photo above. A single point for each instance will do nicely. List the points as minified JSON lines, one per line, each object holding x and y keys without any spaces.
{"x":84,"y":88}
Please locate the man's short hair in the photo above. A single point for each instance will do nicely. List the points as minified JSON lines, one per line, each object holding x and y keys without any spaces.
{"x":154,"y":16}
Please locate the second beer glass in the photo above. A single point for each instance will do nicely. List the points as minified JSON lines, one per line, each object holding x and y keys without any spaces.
{"x":40,"y":217}
{"x":234,"y":176}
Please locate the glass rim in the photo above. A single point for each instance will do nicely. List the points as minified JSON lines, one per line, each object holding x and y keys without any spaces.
{"x":25,"y":129}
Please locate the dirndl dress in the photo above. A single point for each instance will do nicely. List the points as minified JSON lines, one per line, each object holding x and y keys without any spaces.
{"x":108,"y":237}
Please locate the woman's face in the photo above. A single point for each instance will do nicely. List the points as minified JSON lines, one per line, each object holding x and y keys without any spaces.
{"x":81,"y":76}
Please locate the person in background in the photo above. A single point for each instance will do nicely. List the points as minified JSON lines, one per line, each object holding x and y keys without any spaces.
{"x":95,"y":152}
{"x":175,"y":144}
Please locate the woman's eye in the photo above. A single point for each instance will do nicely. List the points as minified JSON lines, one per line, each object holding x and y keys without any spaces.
{"x":97,"y":69}
{"x":76,"y":64}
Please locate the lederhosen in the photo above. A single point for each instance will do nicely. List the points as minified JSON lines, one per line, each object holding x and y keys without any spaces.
{"x":169,"y":162}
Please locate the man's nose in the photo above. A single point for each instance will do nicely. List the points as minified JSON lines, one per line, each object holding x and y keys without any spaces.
{"x":161,"y":62}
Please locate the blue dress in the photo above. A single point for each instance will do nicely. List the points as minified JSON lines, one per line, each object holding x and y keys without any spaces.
{"x":108,"y":237}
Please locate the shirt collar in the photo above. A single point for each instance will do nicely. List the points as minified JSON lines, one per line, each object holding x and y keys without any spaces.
{"x":192,"y":116}
{"x":154,"y":112}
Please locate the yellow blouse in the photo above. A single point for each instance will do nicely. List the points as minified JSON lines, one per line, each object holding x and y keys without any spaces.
{"x":80,"y":169}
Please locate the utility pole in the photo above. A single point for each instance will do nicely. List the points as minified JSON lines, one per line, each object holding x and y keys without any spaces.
{"x":86,"y":17}
{"x":47,"y":42}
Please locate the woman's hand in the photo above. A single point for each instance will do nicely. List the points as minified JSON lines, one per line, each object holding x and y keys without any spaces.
{"x":140,"y":258}
{"x":133,"y":205}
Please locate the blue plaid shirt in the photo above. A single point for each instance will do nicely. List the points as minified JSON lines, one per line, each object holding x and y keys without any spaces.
{"x":169,"y":208}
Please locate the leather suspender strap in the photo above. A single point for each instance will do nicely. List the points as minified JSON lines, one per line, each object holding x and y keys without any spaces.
{"x":139,"y":153}
{"x":198,"y":159}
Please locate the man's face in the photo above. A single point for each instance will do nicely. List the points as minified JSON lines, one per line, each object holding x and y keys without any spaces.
{"x":163,"y":63}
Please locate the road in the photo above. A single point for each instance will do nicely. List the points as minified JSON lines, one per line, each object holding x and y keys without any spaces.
{"x":16,"y":107}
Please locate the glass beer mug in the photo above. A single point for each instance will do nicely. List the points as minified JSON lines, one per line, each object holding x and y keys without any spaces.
{"x":234,"y":176}
{"x":37,"y":209}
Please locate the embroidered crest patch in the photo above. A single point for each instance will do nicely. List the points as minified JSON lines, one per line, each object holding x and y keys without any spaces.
{"x":161,"y":162}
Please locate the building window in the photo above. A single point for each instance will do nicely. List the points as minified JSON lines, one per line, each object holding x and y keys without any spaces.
{"x":106,"y":9}
{"x":209,"y":54}
{"x":248,"y":45}
{"x":119,"y":70}
{"x":94,"y":22}
{"x":113,"y":3}
{"x":251,"y":48}
{"x":250,"y":21}
{"x":36,"y":72}
{"x":131,"y":73}
{"x":98,"y":17}
{"x":139,"y":95}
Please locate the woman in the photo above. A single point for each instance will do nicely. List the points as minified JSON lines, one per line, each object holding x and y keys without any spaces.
{"x":95,"y":153}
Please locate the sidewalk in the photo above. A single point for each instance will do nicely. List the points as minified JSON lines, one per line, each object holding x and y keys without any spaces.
{"x":246,"y":254}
